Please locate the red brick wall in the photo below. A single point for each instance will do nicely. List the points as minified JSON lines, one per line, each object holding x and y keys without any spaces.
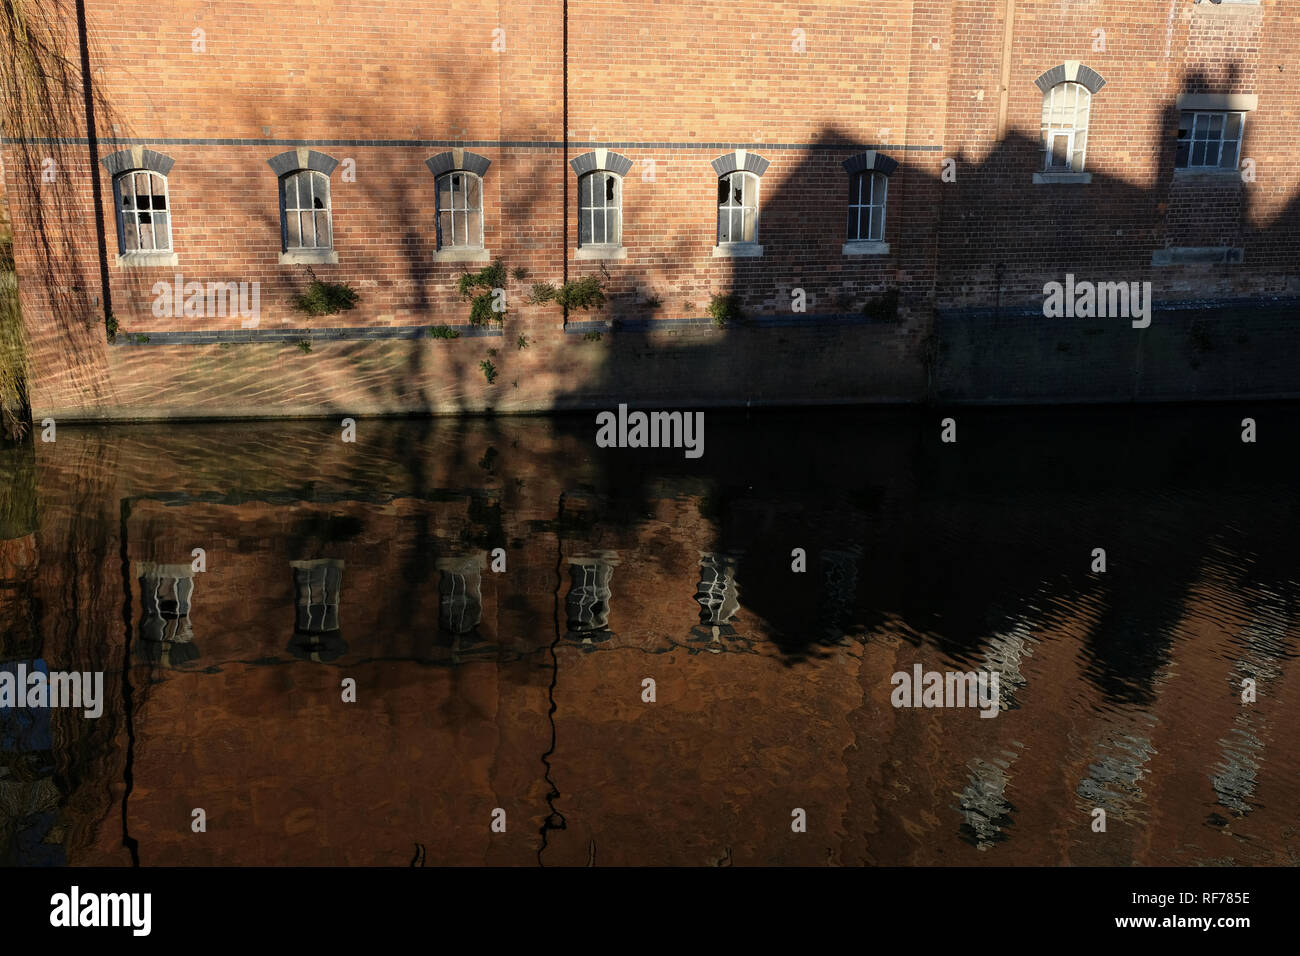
{"x":677,"y":84}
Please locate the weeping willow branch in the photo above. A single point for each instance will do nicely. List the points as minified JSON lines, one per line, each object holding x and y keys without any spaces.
{"x":43,"y":122}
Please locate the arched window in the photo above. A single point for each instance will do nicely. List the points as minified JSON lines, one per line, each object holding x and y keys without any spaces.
{"x":305,"y":211}
{"x":600,"y":209}
{"x":600,"y":204}
{"x":460,"y":210}
{"x":1065,"y":127}
{"x":143,"y":212}
{"x":738,"y":207}
{"x":867,"y":206}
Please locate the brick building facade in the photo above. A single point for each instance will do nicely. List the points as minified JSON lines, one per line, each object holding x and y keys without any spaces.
{"x":394,"y":148}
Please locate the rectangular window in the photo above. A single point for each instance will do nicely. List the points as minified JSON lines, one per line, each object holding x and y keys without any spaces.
{"x":1209,"y":140}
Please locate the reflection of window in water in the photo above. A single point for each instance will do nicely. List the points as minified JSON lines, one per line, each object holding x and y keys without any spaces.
{"x":460,"y":590}
{"x":317,"y":584}
{"x":839,"y":591}
{"x":587,"y":603}
{"x":716,"y":591}
{"x":985,"y":810}
{"x":166,"y":591}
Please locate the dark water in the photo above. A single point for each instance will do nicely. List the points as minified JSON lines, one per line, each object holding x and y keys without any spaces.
{"x":519,"y":695}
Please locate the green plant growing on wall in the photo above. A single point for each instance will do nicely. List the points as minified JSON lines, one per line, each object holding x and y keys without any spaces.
{"x":481,"y":289}
{"x":326,"y":298}
{"x":110,"y":325}
{"x":883,"y":307}
{"x":592,"y":337}
{"x":724,"y":309}
{"x":489,"y":370}
{"x":304,"y":345}
{"x":140,"y":339}
{"x":443,"y":332}
{"x":585,"y":293}
{"x":519,"y":272}
{"x":521,"y":342}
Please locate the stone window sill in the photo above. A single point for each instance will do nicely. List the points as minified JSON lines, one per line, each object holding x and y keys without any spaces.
{"x":605,"y":250}
{"x":1198,"y":255}
{"x":737,"y":250}
{"x":457,"y":254}
{"x":1222,"y":175}
{"x":862,"y":247}
{"x":1062,"y":179}
{"x":133,"y":260}
{"x":309,"y":257}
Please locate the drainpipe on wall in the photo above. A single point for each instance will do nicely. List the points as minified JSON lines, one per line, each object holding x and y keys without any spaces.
{"x":1004,"y":87}
{"x":564,"y":138}
{"x":92,"y":141}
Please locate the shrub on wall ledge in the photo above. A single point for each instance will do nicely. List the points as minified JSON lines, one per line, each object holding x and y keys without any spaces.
{"x":326,"y":298}
{"x":883,"y":307}
{"x":585,"y":293}
{"x":725,"y":309}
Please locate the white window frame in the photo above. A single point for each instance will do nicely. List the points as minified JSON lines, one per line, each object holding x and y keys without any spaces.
{"x":604,"y":211}
{"x":872,"y":209}
{"x":1079,"y":122}
{"x":315,"y":176}
{"x":472,"y":243}
{"x":1200,"y":117}
{"x":729,"y":206}
{"x":133,"y":215}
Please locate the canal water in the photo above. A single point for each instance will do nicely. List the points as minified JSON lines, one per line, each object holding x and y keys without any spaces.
{"x":493,"y":642}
